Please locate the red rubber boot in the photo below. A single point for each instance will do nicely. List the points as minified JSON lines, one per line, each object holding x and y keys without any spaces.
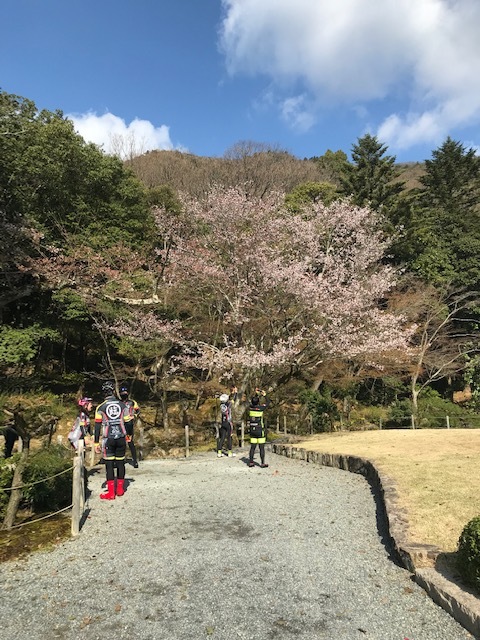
{"x":110,"y":493}
{"x":120,"y":489}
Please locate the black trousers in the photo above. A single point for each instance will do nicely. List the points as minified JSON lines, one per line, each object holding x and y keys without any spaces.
{"x":261,"y":446}
{"x":133,"y":451}
{"x":110,"y":466}
{"x":114,"y":455}
{"x":225,"y":432}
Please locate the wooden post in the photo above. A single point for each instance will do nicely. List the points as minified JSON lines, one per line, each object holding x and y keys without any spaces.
{"x":81,"y":453}
{"x":285,"y":425}
{"x":448,"y":422}
{"x":78,"y":495}
{"x":91,"y":459}
{"x":187,"y":441}
{"x":278,"y":423}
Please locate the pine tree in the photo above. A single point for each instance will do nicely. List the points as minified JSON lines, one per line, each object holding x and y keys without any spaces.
{"x":371,"y":178}
{"x":452,"y":179}
{"x":444,"y":229}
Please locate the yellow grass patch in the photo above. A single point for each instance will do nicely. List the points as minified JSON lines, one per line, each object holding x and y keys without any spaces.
{"x":437,"y":473}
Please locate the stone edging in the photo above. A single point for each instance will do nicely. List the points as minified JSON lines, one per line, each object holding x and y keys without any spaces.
{"x":417,"y":558}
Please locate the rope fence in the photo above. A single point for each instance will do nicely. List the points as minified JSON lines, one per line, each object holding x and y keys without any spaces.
{"x":49,"y":515}
{"x":434,"y":421}
{"x":31,"y":484}
{"x":77,"y":505}
{"x":295,"y":424}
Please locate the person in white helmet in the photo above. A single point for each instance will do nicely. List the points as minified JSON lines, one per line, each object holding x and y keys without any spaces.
{"x":226,"y":426}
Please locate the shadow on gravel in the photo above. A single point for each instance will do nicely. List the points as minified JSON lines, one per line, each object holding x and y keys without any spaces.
{"x":382,"y":526}
{"x":83,"y":519}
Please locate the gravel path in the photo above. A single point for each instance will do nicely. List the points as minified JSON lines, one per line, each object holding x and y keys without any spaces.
{"x":204,"y":547}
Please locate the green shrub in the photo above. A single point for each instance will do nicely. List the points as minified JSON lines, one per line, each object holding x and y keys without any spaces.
{"x":364,"y":418}
{"x":432,"y":413}
{"x":400,"y":415}
{"x":56,"y":492}
{"x":321,"y":407}
{"x":35,"y":403}
{"x":468,"y":555}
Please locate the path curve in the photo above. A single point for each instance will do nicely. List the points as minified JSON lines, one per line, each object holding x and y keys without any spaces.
{"x":209,"y":548}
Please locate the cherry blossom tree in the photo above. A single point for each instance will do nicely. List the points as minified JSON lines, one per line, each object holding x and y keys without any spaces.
{"x":152,"y":343}
{"x":270,"y":291}
{"x":241,"y":288}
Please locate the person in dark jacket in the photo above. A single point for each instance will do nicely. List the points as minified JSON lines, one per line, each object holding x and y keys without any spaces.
{"x":257,"y":426}
{"x":134,"y":412}
{"x":111,"y":418}
{"x":226,"y":426}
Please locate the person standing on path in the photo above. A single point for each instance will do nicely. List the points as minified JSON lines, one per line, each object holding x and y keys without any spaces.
{"x":81,"y":427}
{"x":134,"y":412}
{"x":226,"y":425}
{"x":111,"y":418}
{"x":257,"y":427}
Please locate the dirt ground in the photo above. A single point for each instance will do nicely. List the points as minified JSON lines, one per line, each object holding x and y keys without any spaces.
{"x":436,"y":471}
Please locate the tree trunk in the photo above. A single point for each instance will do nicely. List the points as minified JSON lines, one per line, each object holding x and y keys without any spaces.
{"x":315,"y":386}
{"x":415,"y":393}
{"x":164,"y":405}
{"x":16,"y":494}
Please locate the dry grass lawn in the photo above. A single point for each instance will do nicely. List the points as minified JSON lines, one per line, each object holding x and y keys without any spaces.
{"x":437,"y":473}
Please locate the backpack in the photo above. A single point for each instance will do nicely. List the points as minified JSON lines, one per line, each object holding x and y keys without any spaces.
{"x":75,"y":433}
{"x":225,"y":412}
{"x":255,"y":426}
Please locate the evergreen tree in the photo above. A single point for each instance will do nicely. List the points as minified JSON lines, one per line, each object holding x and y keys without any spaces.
{"x":52,"y":178}
{"x":371,"y":178}
{"x":442,"y":232}
{"x":452,"y":180}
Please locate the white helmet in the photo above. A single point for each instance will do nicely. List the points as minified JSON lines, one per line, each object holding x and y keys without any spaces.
{"x":224,"y":397}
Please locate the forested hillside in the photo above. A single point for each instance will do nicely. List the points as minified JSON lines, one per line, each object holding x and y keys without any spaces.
{"x":349,"y":288}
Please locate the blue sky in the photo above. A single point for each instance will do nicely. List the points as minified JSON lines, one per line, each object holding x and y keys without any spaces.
{"x":202,"y":75}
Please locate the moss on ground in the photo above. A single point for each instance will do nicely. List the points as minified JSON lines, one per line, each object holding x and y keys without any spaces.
{"x":35,"y":536}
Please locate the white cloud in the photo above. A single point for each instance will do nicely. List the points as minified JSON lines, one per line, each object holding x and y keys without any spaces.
{"x":117,"y":137}
{"x":423,"y":53}
{"x":297,"y":112}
